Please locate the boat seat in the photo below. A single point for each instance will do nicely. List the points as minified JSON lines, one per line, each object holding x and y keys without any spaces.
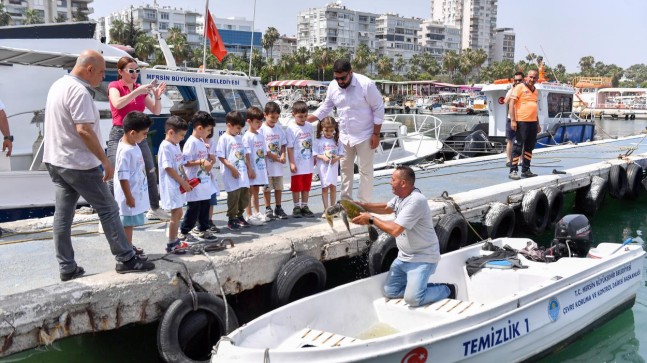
{"x":448,"y":306}
{"x":317,"y":338}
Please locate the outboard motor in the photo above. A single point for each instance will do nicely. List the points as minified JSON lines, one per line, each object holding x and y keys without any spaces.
{"x":572,"y":237}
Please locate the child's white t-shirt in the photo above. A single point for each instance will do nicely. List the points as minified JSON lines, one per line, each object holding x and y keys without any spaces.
{"x":232,"y":148}
{"x":274,"y":139}
{"x":301,"y":138}
{"x":169,"y":155}
{"x":328,"y":172}
{"x":255,"y":147}
{"x":129,"y":165}
{"x":212,"y":151}
{"x":196,"y":149}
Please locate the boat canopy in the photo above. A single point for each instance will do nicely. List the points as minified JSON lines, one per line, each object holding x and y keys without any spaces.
{"x":296,"y":83}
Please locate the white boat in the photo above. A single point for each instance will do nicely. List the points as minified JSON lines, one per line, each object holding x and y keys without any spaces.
{"x":499,"y":315}
{"x":618,"y":103}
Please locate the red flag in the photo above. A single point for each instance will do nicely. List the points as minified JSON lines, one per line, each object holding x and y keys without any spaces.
{"x":215,"y":42}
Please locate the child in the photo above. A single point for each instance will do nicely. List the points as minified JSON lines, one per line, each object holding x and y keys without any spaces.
{"x":211,"y":143}
{"x":328,"y":151}
{"x":233,"y":167}
{"x":169,"y":160}
{"x":197,"y":165}
{"x":131,"y":187}
{"x":255,"y":158}
{"x":299,"y":142}
{"x":275,"y":159}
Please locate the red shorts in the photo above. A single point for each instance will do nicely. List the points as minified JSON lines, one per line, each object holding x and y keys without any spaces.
{"x":301,"y":183}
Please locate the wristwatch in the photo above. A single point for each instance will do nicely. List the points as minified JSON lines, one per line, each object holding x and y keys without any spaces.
{"x":9,"y":137}
{"x":371,"y":220}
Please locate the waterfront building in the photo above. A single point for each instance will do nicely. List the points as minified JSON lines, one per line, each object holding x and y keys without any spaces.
{"x":504,"y":44}
{"x":49,"y":11}
{"x":285,"y":45}
{"x":396,"y":37}
{"x":438,"y":38}
{"x":236,"y":33}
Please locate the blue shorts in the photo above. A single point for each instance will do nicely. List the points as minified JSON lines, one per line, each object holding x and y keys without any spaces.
{"x":510,"y":134}
{"x":214,"y":199}
{"x":133,"y":221}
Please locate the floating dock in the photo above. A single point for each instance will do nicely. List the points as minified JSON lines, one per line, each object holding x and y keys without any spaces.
{"x":36,"y":308}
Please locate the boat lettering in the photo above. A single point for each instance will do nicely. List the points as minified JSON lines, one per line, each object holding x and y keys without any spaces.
{"x":496,"y":337}
{"x":192,"y":79}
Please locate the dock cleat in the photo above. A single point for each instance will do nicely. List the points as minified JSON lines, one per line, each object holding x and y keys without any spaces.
{"x":348,"y":209}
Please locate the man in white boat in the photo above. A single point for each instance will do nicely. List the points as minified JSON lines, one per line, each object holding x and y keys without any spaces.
{"x":360,"y":112}
{"x":524,"y":120}
{"x":7,"y":142}
{"x":419,"y":250}
{"x":72,"y":155}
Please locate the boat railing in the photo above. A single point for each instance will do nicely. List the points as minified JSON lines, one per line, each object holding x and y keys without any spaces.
{"x":223,"y":72}
{"x":418,"y":130}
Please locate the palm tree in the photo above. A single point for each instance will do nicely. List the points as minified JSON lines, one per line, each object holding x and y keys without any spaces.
{"x":451,"y":62}
{"x":464,"y":66}
{"x":178,"y":43}
{"x":531,"y":57}
{"x":477,"y":59}
{"x":5,"y":17}
{"x":145,"y":46}
{"x":269,"y":39}
{"x":586,"y":66}
{"x":285,"y":64}
{"x":257,"y":62}
{"x":301,"y":56}
{"x":268,"y":70}
{"x":32,"y":17}
{"x":400,"y":63}
{"x":316,"y":59}
{"x":117,"y":32}
{"x":361,"y":58}
{"x":413,"y":73}
{"x":384,"y":66}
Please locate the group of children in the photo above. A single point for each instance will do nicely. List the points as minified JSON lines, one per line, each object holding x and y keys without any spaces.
{"x":249,"y":164}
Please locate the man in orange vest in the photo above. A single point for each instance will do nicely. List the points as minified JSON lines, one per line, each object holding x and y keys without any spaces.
{"x":524,"y":120}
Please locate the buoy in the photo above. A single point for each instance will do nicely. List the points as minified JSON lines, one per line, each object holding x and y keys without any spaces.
{"x":634,"y":181}
{"x":589,"y":199}
{"x":381,"y":254}
{"x":555,"y":203}
{"x":617,"y":181}
{"x":499,"y":221}
{"x":534,"y":211}
{"x":301,"y":276}
{"x":187,"y":335}
{"x":452,"y":232}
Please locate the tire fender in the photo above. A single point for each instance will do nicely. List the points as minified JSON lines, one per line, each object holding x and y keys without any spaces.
{"x":534,"y":211}
{"x":499,"y":221}
{"x":617,"y":181}
{"x":187,"y":336}
{"x":452,"y":232}
{"x":381,"y":254}
{"x":589,"y":199}
{"x":555,"y":203}
{"x":634,"y":181}
{"x":301,"y":276}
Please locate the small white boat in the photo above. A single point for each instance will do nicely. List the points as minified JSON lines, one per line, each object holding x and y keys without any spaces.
{"x":499,"y":315}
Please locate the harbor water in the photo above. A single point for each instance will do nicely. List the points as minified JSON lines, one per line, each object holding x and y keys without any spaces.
{"x":618,"y":340}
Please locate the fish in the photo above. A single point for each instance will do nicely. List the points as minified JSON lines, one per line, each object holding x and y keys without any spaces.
{"x":348,"y":210}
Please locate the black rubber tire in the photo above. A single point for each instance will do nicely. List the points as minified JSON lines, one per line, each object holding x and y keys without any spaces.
{"x":187,"y":336}
{"x":499,"y":221}
{"x":617,"y":182}
{"x":452,"y":232}
{"x":381,"y":254}
{"x":588,"y":200}
{"x":301,"y":276}
{"x":634,"y":181}
{"x":555,"y":203}
{"x":534,"y":211}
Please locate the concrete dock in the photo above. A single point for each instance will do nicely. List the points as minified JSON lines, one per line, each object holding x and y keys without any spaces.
{"x":36,"y":308}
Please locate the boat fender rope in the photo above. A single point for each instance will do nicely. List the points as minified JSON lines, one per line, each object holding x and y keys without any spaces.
{"x":445,"y":195}
{"x":266,"y":356}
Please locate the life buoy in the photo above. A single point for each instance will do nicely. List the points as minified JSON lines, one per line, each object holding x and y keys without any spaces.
{"x":381,"y":254}
{"x":187,"y":336}
{"x":634,"y":181}
{"x":301,"y":276}
{"x":617,"y":181}
{"x":452,"y":232}
{"x":499,"y":221}
{"x":534,"y":211}
{"x":555,"y":203}
{"x":589,"y":199}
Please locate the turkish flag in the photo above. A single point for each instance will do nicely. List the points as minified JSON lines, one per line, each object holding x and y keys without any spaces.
{"x":215,"y":42}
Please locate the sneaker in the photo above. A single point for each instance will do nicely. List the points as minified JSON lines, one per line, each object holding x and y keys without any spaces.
{"x":67,"y":276}
{"x":306,"y":212}
{"x":296,"y":212}
{"x":528,"y":174}
{"x":242,"y":222}
{"x":135,"y":264}
{"x":452,"y":291}
{"x":261,"y":217}
{"x":280,"y":213}
{"x":188,"y":238}
{"x":269,"y":215}
{"x":178,"y":247}
{"x":212,"y":228}
{"x":140,"y":253}
{"x":514,"y":176}
{"x":233,"y":225}
{"x":158,"y":214}
{"x":205,"y":236}
{"x":254,"y":220}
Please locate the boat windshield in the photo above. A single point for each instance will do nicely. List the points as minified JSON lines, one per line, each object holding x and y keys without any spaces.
{"x":222,"y":100}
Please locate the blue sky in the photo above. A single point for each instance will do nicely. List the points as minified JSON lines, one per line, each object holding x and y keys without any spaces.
{"x":612,"y":32}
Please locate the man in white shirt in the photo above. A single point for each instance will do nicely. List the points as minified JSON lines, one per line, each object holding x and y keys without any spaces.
{"x":360,"y":113}
{"x":7,"y":142}
{"x":72,"y":155}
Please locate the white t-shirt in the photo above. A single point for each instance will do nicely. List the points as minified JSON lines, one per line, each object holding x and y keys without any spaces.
{"x":255,"y":147}
{"x":232,"y":148}
{"x":328,"y":173}
{"x":274,"y":139}
{"x":169,"y":155}
{"x":129,"y":165}
{"x":69,"y":103}
{"x":212,"y":151}
{"x":195,"y":149}
{"x":300,"y":138}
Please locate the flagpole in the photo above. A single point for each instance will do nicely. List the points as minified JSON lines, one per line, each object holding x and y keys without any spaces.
{"x":251,"y":47}
{"x":204,"y":36}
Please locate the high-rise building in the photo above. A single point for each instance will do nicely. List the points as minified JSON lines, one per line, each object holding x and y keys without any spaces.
{"x":49,"y":11}
{"x":236,"y":34}
{"x":397,"y":37}
{"x":438,"y":38}
{"x":504,"y":44}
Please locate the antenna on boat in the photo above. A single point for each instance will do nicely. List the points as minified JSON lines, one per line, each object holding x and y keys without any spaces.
{"x":547,"y":61}
{"x":251,"y":46}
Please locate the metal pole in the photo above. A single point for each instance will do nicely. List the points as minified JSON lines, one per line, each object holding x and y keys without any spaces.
{"x":251,"y":47}
{"x":204,"y":37}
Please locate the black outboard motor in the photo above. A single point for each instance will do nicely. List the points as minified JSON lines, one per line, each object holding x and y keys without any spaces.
{"x":572,"y":237}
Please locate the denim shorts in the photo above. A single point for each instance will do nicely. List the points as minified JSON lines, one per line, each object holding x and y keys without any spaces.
{"x":214,"y":199}
{"x":133,"y":221}
{"x":510,"y":134}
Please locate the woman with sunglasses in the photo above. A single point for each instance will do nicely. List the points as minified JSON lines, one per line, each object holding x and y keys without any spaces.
{"x":126,"y":95}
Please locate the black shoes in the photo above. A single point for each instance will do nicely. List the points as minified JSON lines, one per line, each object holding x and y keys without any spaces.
{"x":452,"y":291}
{"x":135,"y":264}
{"x":67,"y":276}
{"x":528,"y":174}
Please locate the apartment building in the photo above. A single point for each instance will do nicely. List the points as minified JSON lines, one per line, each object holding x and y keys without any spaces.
{"x":438,"y":38}
{"x":397,"y":36}
{"x":504,"y":44}
{"x":49,"y":11}
{"x":284,"y":45}
{"x":237,"y":34}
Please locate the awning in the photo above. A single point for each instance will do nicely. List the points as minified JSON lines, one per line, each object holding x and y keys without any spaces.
{"x":295,"y":83}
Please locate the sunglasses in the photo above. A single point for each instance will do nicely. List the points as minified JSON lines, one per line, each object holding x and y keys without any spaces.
{"x":131,"y":70}
{"x":518,"y":80}
{"x":342,"y":78}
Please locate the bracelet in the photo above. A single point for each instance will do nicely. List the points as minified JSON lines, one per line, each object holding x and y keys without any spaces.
{"x":159,"y":99}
